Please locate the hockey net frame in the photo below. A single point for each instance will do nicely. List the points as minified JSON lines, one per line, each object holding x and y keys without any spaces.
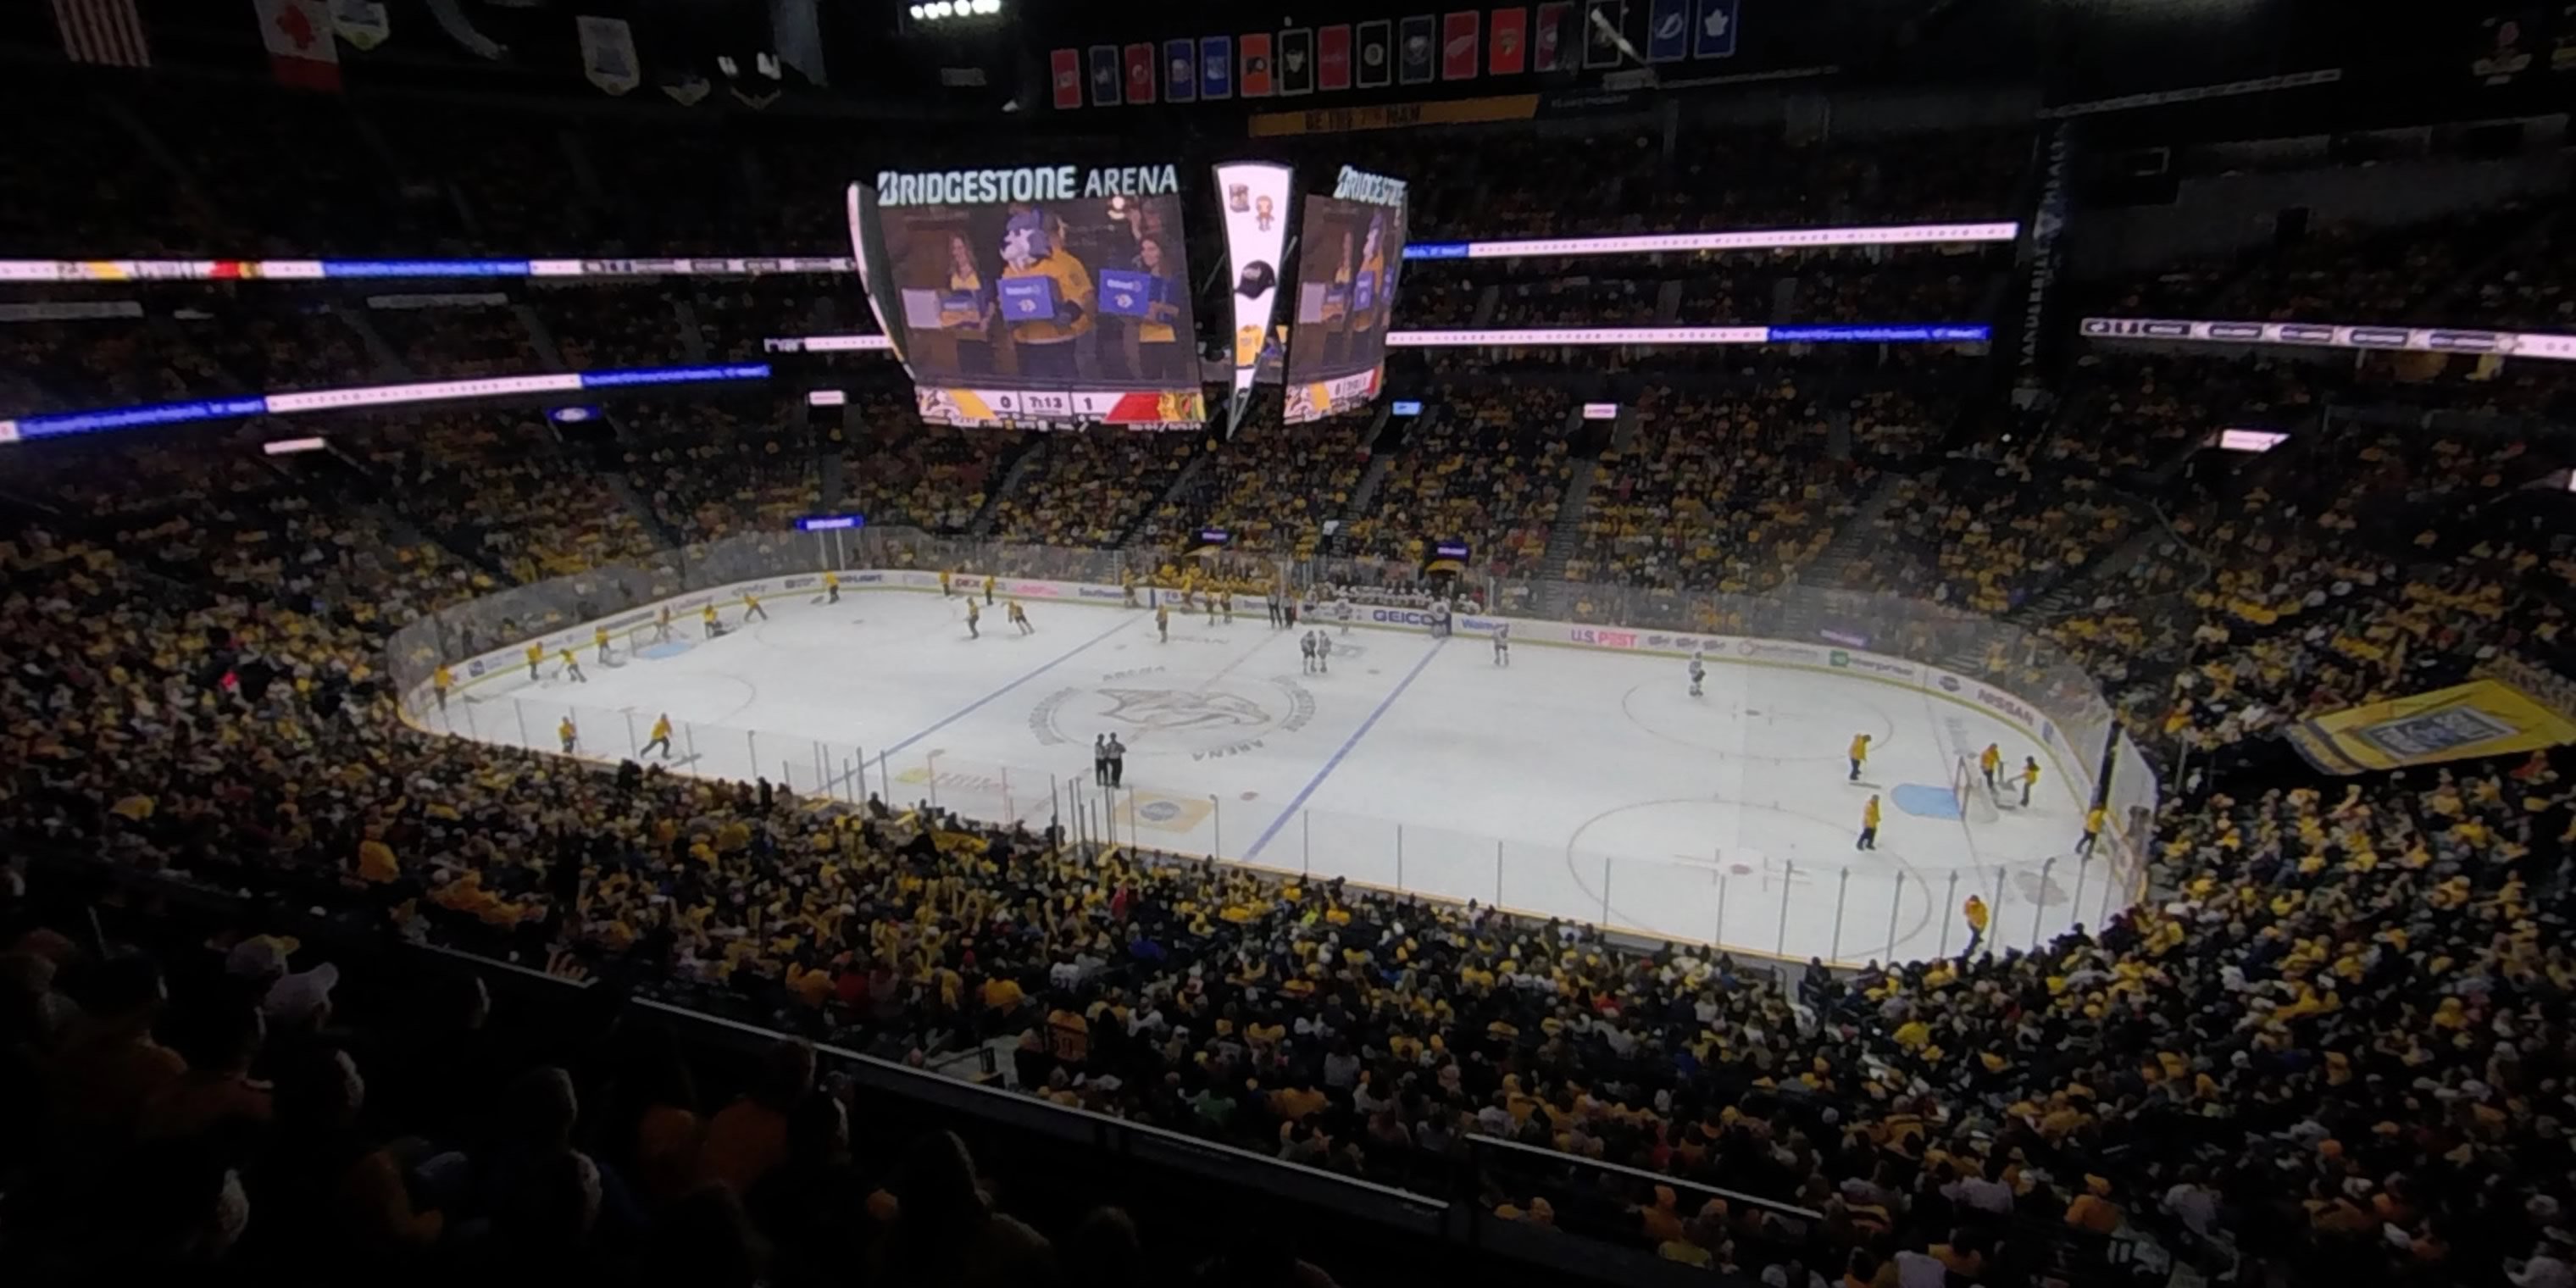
{"x":1968,"y":790}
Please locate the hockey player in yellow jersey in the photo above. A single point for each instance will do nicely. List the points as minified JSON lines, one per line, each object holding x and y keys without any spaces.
{"x":1019,"y":617}
{"x":536,"y":654}
{"x":946,"y":585}
{"x":1868,"y":826}
{"x":988,"y":590}
{"x":974,"y":614}
{"x":572,"y":668}
{"x":440,"y":681}
{"x":1163,"y":621}
{"x":571,"y":737}
{"x":751,"y":607}
{"x":599,"y":636}
{"x":1990,"y":762}
{"x":661,"y":736}
{"x":1859,"y":754}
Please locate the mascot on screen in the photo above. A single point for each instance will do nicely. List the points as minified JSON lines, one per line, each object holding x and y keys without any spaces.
{"x":1046,"y":296}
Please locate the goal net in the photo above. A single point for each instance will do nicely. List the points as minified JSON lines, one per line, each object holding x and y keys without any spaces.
{"x":1968,"y":788}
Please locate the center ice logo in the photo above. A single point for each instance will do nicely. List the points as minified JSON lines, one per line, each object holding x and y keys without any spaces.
{"x":1169,"y":710}
{"x":1206,"y":722}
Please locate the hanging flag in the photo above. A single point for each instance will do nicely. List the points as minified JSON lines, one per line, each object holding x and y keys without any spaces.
{"x":1715,"y":35}
{"x":1548,"y":44}
{"x":102,"y":33}
{"x":1377,"y":60}
{"x":1104,"y":75}
{"x":1140,"y":73}
{"x":1296,"y":61}
{"x":1668,"y":31}
{"x":301,"y":49}
{"x":1458,"y":40}
{"x":1603,"y":21}
{"x":1509,"y":53}
{"x":1415,"y":51}
{"x":1066,"y":64}
{"x":1180,"y":71}
{"x":608,"y":54}
{"x":453,"y":21}
{"x":1333,"y":57}
{"x":796,"y":35}
{"x":361,"y":22}
{"x":1256,"y":63}
{"x":1216,"y":66}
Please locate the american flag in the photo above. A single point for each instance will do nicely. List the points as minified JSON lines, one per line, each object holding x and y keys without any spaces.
{"x":104,"y":33}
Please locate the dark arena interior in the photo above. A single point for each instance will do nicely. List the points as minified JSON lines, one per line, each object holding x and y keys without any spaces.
{"x":1816,"y":643}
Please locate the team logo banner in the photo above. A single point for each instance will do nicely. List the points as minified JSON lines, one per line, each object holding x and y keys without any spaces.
{"x":1256,"y":64}
{"x":1180,"y":71}
{"x":1333,"y":57}
{"x":1417,"y":49}
{"x":1297,"y":61}
{"x":1510,"y":51}
{"x":1255,"y":197}
{"x":1714,"y":34}
{"x":1065,"y":75}
{"x":1140,"y":73}
{"x":1668,"y":31}
{"x":1458,"y":45}
{"x":1216,"y":67}
{"x":1377,"y":55}
{"x":1549,"y":45}
{"x":1104,"y":76}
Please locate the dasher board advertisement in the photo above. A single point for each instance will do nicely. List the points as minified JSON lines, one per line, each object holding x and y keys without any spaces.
{"x":1350,"y":251}
{"x":1038,"y":296}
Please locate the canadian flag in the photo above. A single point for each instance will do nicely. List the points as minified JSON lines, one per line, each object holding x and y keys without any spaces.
{"x":302,"y":51}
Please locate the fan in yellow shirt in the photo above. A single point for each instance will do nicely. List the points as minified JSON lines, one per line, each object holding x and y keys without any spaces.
{"x":1033,"y":247}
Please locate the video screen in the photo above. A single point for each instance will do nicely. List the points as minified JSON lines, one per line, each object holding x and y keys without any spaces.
{"x":1048,"y":297}
{"x":1351,"y":251}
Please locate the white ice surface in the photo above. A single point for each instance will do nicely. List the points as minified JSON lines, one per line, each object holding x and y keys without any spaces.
{"x":1573,"y":783}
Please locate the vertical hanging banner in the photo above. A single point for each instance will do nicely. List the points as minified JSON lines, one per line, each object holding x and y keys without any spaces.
{"x":1668,"y":31}
{"x":1104,"y":75}
{"x":1548,"y":45}
{"x":1140,"y":73}
{"x":1216,"y":67}
{"x":1065,"y":66}
{"x":1297,"y":61}
{"x":362,"y":23}
{"x":1256,"y":64}
{"x":1603,"y":22}
{"x":1256,"y":197}
{"x":1333,"y":57}
{"x":608,"y":57}
{"x":303,"y":51}
{"x":1180,"y":71}
{"x":1509,"y":54}
{"x":1377,"y":54}
{"x":1458,"y":41}
{"x":1349,"y":253}
{"x":2047,"y":223}
{"x":1417,"y":65}
{"x":1714,"y":35}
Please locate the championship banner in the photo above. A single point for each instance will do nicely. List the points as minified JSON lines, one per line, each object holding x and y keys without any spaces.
{"x":2486,"y":717}
{"x":1256,"y":198}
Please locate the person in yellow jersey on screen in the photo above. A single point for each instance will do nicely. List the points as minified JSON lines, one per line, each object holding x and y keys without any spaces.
{"x":1859,"y":753}
{"x":1046,"y":296}
{"x":1337,"y":307}
{"x":1368,"y":292}
{"x":1158,"y":347}
{"x":966,"y":310}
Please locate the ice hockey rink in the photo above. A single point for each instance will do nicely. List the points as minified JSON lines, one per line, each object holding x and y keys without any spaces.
{"x":1573,"y":783}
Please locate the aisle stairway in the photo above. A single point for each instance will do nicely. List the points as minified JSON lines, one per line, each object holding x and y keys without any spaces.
{"x":1566,"y":536}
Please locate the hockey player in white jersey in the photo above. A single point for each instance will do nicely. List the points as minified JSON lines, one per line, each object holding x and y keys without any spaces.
{"x":1306,"y":652}
{"x":1323,"y":653}
{"x":1698,"y":672}
{"x":1502,"y":643}
{"x":1342,"y":613}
